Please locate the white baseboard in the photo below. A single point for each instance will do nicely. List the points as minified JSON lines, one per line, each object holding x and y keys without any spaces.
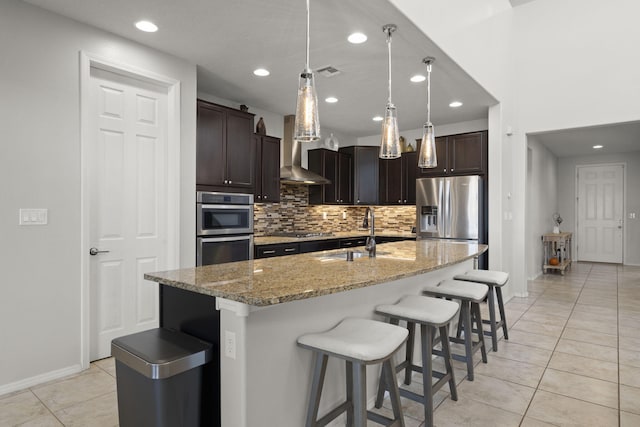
{"x":39,"y":379}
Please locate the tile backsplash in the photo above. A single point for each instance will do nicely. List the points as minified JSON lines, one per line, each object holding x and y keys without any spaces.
{"x":293,"y":213}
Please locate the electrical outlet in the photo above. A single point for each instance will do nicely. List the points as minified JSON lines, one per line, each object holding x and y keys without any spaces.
{"x":632,"y":215}
{"x":344,"y":215}
{"x":324,"y":215}
{"x":230,"y":344}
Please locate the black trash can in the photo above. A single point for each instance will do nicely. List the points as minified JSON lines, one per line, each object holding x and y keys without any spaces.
{"x":159,"y":378}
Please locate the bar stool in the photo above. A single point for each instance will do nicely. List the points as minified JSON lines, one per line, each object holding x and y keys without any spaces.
{"x":360,"y":342}
{"x":495,"y":280}
{"x":470,"y":295}
{"x":430,"y":314}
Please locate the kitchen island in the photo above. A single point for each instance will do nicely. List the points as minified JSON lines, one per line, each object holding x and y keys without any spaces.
{"x":264,"y":305}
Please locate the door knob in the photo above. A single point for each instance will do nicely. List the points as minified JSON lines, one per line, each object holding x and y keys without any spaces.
{"x":95,"y":251}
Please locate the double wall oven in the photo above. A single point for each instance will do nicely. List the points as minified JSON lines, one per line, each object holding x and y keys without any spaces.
{"x":224,"y":227}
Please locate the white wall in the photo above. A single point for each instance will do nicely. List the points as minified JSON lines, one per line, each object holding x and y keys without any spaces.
{"x":40,"y":167}
{"x":542,"y":201}
{"x":567,"y":196}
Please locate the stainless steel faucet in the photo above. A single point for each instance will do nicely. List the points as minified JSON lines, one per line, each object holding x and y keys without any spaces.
{"x":371,"y":240}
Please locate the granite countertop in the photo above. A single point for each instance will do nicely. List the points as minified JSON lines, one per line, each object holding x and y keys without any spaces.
{"x":270,"y":281}
{"x":272,"y":240}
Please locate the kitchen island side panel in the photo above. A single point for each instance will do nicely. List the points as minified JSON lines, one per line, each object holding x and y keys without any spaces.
{"x":195,"y":314}
{"x":268,"y":381}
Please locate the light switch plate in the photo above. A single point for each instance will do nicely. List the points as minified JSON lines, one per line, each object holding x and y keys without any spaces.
{"x":33,"y":216}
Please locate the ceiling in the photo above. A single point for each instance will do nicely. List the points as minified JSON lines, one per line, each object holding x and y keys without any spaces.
{"x":615,"y":138}
{"x":229,"y":39}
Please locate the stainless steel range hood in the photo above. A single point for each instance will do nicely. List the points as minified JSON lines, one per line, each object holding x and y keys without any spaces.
{"x":292,"y":172}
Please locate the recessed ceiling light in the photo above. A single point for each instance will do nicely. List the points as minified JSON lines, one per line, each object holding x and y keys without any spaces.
{"x":331,"y":99}
{"x":418,"y":78}
{"x":146,"y":26}
{"x":357,"y":38}
{"x":455,"y":104}
{"x":261,"y":72}
{"x":597,"y":147}
{"x":377,"y":119}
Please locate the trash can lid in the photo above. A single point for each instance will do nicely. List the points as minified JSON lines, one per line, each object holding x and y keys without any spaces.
{"x":161,"y":353}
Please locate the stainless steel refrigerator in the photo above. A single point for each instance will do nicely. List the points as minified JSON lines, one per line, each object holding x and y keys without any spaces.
{"x":449,"y":208}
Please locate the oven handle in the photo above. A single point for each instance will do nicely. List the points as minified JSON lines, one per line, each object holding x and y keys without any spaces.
{"x":224,"y":239}
{"x":239,"y":207}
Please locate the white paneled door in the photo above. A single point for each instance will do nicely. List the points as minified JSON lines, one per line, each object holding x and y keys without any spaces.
{"x":600,"y":213}
{"x":128,"y":146}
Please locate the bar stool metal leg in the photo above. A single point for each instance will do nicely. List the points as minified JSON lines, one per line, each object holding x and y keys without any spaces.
{"x":492,"y":318}
{"x":448,"y":363}
{"x":502,"y":315}
{"x":349,"y":376}
{"x":319,"y":370}
{"x":359,"y":394}
{"x":410,"y":343}
{"x":426,"y":335}
{"x":478,"y":319}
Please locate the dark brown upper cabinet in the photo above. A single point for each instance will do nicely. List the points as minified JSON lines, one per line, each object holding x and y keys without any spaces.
{"x":336,"y":167}
{"x":397,"y":180}
{"x":225,"y":151}
{"x":462,"y":154}
{"x":267,"y":188}
{"x":365,"y":174}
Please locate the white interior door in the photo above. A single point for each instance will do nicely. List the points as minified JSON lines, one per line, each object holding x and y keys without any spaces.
{"x":128,"y":188}
{"x":600,"y":213}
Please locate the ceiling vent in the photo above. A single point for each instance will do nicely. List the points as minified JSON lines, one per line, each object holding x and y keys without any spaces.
{"x":328,"y":71}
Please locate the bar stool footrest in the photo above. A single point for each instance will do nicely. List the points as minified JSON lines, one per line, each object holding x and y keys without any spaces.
{"x":381,"y":419}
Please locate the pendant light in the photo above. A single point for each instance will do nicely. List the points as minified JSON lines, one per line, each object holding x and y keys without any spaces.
{"x":427,"y":157}
{"x":390,"y":144}
{"x":307,"y":125}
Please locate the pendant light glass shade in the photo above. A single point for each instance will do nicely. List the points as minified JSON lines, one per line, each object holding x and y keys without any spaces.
{"x":307,"y":124}
{"x":390,"y":143}
{"x":427,"y":158}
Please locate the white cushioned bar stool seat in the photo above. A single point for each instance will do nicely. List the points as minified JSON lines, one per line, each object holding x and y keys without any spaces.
{"x":431,"y":314}
{"x":470,"y":294}
{"x":495,"y":280}
{"x":359,"y":342}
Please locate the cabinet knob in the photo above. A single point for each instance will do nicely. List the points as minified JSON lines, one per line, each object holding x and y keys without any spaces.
{"x":405,"y":201}
{"x":225,"y":181}
{"x":445,"y":169}
{"x":399,"y":201}
{"x":229,"y":181}
{"x":258,"y":197}
{"x":264,"y":197}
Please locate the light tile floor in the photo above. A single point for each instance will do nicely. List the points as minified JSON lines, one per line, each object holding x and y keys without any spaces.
{"x":573,"y":359}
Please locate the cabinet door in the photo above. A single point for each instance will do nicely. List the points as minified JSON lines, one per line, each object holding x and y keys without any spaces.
{"x":409,"y":175}
{"x":240,"y":150}
{"x":467,"y":153}
{"x":365,"y":165}
{"x":257,"y":144}
{"x":345,"y":173}
{"x":270,"y":170}
{"x":390,"y":182}
{"x":442,"y":155}
{"x":210,"y":145}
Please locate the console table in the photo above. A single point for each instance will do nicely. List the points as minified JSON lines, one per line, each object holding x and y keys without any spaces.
{"x":556,"y":245}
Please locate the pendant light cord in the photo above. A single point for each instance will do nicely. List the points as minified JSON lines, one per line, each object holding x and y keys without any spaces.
{"x":429,"y":93}
{"x":389,"y":48}
{"x":307,"y":69}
